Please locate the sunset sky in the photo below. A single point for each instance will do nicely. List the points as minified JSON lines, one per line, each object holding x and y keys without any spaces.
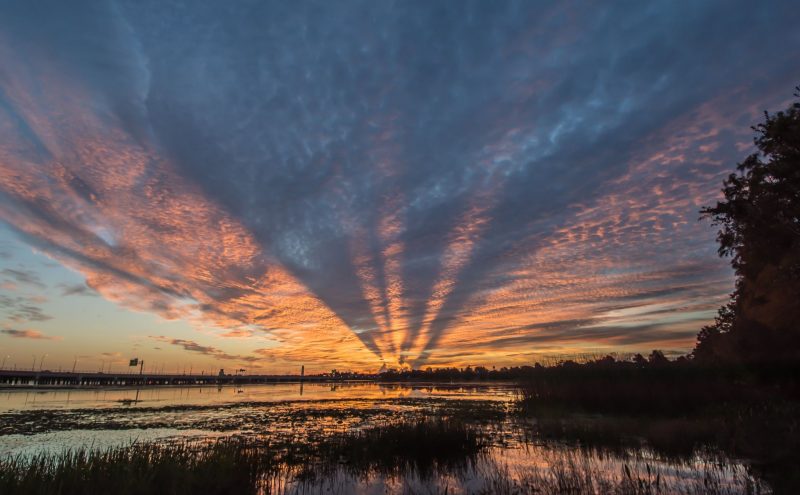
{"x":343,"y":184}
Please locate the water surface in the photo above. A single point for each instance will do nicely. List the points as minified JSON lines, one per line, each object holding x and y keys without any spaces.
{"x":49,"y":420}
{"x":12,"y":399}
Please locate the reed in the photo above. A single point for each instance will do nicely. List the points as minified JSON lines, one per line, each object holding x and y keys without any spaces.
{"x":425,"y":445}
{"x":240,"y":465}
{"x":577,"y":473}
{"x":222,"y":466}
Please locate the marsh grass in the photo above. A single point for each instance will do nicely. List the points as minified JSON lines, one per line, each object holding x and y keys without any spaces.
{"x":568,"y":473}
{"x":421,"y":456}
{"x":765,"y":435}
{"x":560,"y":472}
{"x":242,"y":465}
{"x":425,"y":445}
{"x":222,"y":466}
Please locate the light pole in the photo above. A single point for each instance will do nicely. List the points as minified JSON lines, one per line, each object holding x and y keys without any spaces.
{"x":33,"y":366}
{"x":41,"y":362}
{"x":4,"y":363}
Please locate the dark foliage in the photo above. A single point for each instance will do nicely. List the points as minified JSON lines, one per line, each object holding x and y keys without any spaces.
{"x":653,"y":385}
{"x":427,"y":446}
{"x":759,"y":220}
{"x":766,"y":434}
{"x":444,"y":375}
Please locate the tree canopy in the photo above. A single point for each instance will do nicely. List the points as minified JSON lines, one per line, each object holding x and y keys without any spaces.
{"x":759,"y":220}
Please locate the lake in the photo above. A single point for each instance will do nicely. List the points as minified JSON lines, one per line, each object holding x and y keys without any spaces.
{"x":521,"y":451}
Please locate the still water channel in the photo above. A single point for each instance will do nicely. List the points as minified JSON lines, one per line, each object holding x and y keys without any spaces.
{"x":522,"y":450}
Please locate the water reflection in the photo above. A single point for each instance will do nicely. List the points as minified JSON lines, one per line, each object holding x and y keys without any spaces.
{"x":21,"y":400}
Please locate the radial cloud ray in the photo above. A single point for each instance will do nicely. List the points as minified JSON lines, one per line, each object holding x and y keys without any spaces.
{"x":371,"y":183}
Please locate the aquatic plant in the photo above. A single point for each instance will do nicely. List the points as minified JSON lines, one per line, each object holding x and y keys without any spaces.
{"x":441,"y":455}
{"x":223,"y":466}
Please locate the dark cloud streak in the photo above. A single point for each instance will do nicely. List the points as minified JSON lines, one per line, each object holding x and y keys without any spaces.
{"x":25,"y":277}
{"x":192,"y":346}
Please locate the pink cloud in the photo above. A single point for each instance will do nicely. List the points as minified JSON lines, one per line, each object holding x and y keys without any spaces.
{"x":27,"y":334}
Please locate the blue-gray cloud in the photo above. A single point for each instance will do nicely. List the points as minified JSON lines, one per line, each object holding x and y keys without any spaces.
{"x":24,"y":277}
{"x":76,"y":290}
{"x":21,"y":308}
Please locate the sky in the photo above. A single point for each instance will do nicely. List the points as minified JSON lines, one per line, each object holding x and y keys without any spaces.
{"x":265,"y":185}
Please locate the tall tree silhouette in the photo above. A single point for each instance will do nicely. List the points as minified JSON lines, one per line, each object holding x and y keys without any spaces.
{"x":759,"y":222}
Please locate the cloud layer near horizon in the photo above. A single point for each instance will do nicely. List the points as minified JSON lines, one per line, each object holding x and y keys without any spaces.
{"x":415,"y":182}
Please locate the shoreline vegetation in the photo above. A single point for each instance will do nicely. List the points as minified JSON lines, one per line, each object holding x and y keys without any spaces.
{"x":345,"y":445}
{"x":417,"y":453}
{"x":422,"y":447}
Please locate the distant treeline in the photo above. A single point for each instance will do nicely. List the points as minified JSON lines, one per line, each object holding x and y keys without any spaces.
{"x":514,"y":373}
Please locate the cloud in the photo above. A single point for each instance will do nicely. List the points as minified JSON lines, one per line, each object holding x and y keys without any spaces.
{"x":20,"y":308}
{"x":213,"y":352}
{"x":25,"y":277}
{"x":27,"y":334}
{"x":238,"y":333}
{"x":77,"y":290}
{"x":437,"y":181}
